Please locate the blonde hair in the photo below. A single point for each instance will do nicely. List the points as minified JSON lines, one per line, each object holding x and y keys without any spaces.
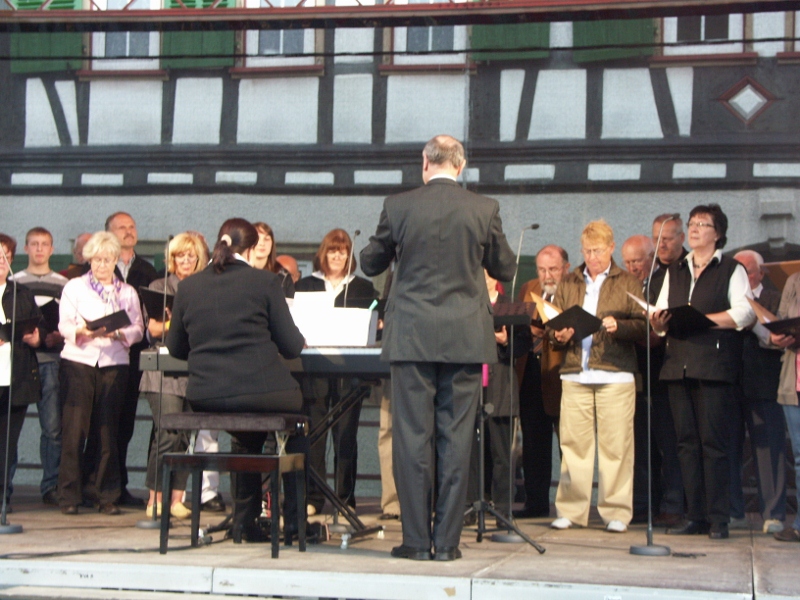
{"x":102,"y":241}
{"x":597,"y":232}
{"x":185,"y":242}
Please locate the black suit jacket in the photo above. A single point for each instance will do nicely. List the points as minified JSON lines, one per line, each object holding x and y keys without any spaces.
{"x":234,"y":327}
{"x":25,"y":376}
{"x":442,"y":237}
{"x":761,"y":369}
{"x":359,"y":289}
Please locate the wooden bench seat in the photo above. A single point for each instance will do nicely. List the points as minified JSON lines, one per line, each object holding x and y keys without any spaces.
{"x":276,"y":465}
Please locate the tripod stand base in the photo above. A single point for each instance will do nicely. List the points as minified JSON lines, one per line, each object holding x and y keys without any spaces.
{"x":148,"y":524}
{"x":507,"y":538}
{"x":651,"y":550}
{"x":8,"y":528}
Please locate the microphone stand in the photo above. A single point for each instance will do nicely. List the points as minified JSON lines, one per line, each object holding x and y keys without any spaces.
{"x":337,"y":527}
{"x":5,"y":526}
{"x":155,"y":521}
{"x":651,"y":549}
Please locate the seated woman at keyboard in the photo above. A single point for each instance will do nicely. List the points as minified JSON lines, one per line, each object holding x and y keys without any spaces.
{"x":231,"y":322}
{"x":333,"y":275}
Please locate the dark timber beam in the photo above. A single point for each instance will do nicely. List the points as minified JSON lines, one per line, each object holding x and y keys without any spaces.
{"x":382,"y":15}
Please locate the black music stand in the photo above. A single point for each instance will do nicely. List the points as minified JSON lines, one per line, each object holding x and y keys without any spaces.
{"x":510,"y":314}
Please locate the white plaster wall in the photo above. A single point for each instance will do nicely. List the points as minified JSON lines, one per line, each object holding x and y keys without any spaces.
{"x":352,"y":109}
{"x":354,"y":39}
{"x":681,"y":84}
{"x":561,"y":216}
{"x":278,"y":111}
{"x":511,"y":82}
{"x":198,"y":110}
{"x":125,"y":112}
{"x":768,"y":25}
{"x":559,"y":105}
{"x":629,"y":105}
{"x":40,"y":126}
{"x":69,"y":104}
{"x":419,"y":107}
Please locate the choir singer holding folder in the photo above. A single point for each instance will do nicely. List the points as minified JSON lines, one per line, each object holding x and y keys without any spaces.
{"x":701,"y":366}
{"x":598,"y":388}
{"x":93,"y":374}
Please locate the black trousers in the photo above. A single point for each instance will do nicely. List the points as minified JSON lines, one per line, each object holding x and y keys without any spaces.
{"x":246,"y":488}
{"x":700,"y":409}
{"x":91,"y":398}
{"x":433,"y":419}
{"x":537,"y":438}
{"x":15,"y":429}
{"x":497,"y":466}
{"x":127,"y":418}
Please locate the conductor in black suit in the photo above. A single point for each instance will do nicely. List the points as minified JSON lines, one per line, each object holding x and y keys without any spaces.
{"x":438,"y":332}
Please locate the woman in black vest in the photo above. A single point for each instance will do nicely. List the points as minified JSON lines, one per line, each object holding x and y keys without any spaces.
{"x":701,"y":366}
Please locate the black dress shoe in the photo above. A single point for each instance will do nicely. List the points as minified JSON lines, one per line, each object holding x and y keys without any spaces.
{"x":110,"y":509}
{"x":389,"y":517}
{"x":214,"y":505}
{"x":531,"y":512}
{"x":447,"y":553}
{"x":50,"y":497}
{"x":252,"y":534}
{"x":718,"y":531}
{"x":72,"y":509}
{"x":690,"y":528}
{"x":411,"y":553}
{"x":128,"y":499}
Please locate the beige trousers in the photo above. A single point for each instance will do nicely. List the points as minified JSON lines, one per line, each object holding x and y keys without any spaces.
{"x":606,"y":409}
{"x":390,"y":504}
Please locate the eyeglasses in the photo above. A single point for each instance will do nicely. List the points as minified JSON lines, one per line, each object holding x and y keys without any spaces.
{"x":635,"y":261}
{"x":699,"y":225}
{"x":595,"y":251}
{"x":97,"y":260}
{"x":185,"y":257}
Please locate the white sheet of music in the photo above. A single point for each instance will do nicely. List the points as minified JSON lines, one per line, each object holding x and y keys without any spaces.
{"x":323,"y":325}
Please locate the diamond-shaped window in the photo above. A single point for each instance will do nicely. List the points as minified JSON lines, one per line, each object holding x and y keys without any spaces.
{"x":747,"y":100}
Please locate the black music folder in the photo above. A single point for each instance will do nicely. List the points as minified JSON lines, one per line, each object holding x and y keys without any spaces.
{"x":111,"y":322}
{"x":513,"y":313}
{"x":51,"y":290}
{"x":584,"y":323}
{"x":784,"y":327}
{"x":154,"y":303}
{"x":686,"y":320}
{"x":22,"y":327}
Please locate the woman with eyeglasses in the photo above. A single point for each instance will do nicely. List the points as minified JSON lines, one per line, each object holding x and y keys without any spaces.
{"x":598,"y":395}
{"x":333,"y":275}
{"x":702,"y":365}
{"x":186,"y":255}
{"x":93,"y":375}
{"x":264,"y":257}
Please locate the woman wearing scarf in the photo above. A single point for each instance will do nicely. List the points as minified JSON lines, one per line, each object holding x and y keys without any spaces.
{"x":94,"y":369}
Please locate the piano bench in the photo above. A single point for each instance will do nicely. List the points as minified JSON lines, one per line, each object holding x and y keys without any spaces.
{"x":275,"y":465}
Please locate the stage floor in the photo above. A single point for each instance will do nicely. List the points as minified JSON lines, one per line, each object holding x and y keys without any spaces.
{"x":97,"y":556}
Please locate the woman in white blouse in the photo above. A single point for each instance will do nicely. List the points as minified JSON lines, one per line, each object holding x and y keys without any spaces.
{"x":93,"y":373}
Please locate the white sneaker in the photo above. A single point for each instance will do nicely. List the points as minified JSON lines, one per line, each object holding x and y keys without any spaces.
{"x":561,"y":523}
{"x":616,"y":526}
{"x":772,"y":526}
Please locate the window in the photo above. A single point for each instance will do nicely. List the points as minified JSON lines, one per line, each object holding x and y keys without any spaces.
{"x":125,"y":50}
{"x":429,"y":39}
{"x":42,"y":46}
{"x":692,"y":32}
{"x":269,"y":47}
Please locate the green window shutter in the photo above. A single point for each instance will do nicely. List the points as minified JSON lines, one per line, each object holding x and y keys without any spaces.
{"x":510,"y":37}
{"x":198,"y":43}
{"x":622,"y":32}
{"x":43,"y":46}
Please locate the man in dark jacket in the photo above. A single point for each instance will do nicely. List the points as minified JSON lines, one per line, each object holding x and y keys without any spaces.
{"x":438,"y":331}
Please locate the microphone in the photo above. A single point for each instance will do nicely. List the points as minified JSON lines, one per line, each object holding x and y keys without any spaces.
{"x":4,"y":525}
{"x":356,"y":233}
{"x":533,"y":227}
{"x":164,"y":304}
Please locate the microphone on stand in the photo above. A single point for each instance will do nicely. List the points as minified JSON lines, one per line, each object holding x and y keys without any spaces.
{"x":356,"y":233}
{"x":5,"y":527}
{"x":650,"y":549}
{"x":519,"y":253}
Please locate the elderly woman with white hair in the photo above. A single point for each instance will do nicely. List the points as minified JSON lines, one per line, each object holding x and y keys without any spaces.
{"x":93,"y":373}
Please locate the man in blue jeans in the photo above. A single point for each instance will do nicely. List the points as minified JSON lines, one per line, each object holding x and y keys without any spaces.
{"x":46,"y":285}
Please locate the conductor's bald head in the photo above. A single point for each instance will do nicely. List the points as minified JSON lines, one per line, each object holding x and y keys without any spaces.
{"x":442,"y":155}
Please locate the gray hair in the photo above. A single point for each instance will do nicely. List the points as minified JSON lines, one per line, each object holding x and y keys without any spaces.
{"x":102,"y":241}
{"x":445,"y":148}
{"x":759,"y":260}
